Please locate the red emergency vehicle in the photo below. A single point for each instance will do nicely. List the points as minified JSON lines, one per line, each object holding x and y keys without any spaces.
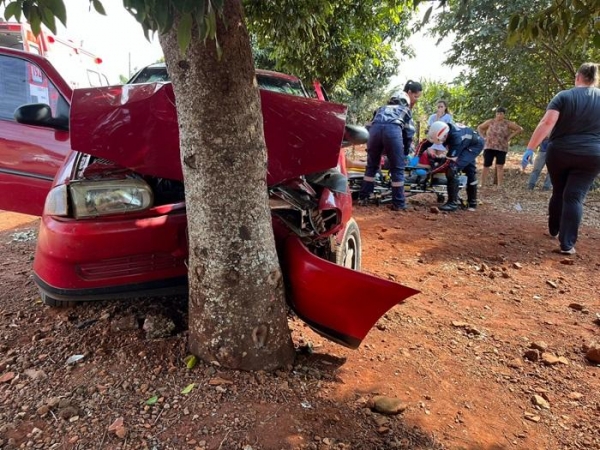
{"x":78,"y":67}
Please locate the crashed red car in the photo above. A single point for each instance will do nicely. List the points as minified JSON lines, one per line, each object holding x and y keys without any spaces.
{"x":114,"y":222}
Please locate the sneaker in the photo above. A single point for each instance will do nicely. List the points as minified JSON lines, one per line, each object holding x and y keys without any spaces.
{"x":362,"y":202}
{"x":553,"y":235}
{"x":397,"y":208}
{"x":571,"y":251}
{"x":471,"y":208}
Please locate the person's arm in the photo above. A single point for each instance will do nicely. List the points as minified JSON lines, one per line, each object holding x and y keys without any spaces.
{"x":354,"y":164}
{"x":482,"y":129}
{"x":516,"y":129}
{"x":543,"y":128}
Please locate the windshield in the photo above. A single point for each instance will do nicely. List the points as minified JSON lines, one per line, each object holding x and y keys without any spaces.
{"x":283,"y":85}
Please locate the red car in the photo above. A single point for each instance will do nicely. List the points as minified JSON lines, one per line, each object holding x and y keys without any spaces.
{"x":114,"y":222}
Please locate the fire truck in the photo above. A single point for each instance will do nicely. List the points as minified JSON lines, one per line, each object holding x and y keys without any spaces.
{"x":79,"y":67}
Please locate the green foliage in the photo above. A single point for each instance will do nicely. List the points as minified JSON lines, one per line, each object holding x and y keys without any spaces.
{"x":523,"y":78}
{"x":329,"y":40}
{"x":198,"y":16}
{"x":195,"y":16}
{"x":575,"y":23}
{"x":36,"y":12}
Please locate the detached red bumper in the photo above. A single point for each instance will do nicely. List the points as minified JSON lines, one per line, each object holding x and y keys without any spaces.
{"x":339,"y":303}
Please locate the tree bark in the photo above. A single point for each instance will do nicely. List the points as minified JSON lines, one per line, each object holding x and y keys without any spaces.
{"x":237,"y":310}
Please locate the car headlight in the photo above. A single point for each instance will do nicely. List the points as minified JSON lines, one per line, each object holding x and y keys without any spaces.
{"x":100,"y":198}
{"x":56,"y":202}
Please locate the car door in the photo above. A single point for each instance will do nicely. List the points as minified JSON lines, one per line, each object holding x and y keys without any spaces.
{"x":29,"y":155}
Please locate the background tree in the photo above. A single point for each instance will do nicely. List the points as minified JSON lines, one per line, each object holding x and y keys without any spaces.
{"x":520,"y":76}
{"x":237,"y":310}
{"x":350,"y":47}
{"x":237,"y":314}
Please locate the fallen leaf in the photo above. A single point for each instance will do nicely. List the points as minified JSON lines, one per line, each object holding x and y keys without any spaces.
{"x":190,"y":361}
{"x":152,"y":400}
{"x":188,"y":388}
{"x":7,"y":377}
{"x":118,"y":423}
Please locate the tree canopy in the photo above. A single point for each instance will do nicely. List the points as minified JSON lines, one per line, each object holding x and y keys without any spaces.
{"x":521,"y":76}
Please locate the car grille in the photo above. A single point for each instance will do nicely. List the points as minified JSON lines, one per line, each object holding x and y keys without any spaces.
{"x":130,"y":266}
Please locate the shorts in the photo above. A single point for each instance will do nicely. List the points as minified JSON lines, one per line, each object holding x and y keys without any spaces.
{"x":489,"y":155}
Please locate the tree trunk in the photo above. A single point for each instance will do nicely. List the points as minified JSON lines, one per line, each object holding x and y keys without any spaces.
{"x":237,"y":311}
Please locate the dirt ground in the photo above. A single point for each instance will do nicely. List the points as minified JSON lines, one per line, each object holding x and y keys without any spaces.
{"x":490,"y":355}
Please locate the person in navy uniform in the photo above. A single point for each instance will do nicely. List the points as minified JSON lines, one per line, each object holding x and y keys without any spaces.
{"x":464,"y":145}
{"x":391,"y":133}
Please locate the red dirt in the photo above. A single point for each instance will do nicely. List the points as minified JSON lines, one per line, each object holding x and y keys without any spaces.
{"x":458,"y":355}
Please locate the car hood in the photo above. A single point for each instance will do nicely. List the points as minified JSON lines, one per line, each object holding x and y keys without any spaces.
{"x":136,"y":126}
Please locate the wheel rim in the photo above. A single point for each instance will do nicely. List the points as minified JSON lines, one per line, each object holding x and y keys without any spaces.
{"x":350,"y":253}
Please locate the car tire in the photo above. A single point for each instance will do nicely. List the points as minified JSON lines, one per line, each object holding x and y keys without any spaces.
{"x":348,"y":252}
{"x":47,"y":300}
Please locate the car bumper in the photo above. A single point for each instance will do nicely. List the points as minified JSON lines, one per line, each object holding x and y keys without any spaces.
{"x":108,"y":258}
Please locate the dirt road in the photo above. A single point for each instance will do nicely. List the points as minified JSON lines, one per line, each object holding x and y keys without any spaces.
{"x":490,"y":355}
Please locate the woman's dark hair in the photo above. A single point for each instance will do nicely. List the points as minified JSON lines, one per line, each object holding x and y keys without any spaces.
{"x":413,"y":86}
{"x":445,"y":103}
{"x":589,"y":72}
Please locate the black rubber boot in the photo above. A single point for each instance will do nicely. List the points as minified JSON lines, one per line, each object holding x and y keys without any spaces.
{"x":452,"y":203}
{"x":472,"y":195}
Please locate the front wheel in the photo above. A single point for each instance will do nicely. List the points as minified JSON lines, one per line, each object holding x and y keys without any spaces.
{"x":348,"y":252}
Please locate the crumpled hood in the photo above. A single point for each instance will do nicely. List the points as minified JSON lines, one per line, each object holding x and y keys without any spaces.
{"x":136,"y":127}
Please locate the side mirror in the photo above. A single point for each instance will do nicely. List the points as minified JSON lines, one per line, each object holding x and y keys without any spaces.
{"x":40,"y":114}
{"x":355,"y":135}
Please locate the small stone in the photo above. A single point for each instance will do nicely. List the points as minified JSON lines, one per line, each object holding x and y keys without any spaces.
{"x":43,"y":410}
{"x":68,"y":412}
{"x":388,"y":405}
{"x":593,"y":354}
{"x":551,"y":284}
{"x":576,"y":306}
{"x":532,"y":417}
{"x":575,"y":396}
{"x":157,"y":326}
{"x":128,"y":323}
{"x":549,"y":359}
{"x":540,"y":401}
{"x":539,"y":345}
{"x":515,"y":363}
{"x":532,"y":355}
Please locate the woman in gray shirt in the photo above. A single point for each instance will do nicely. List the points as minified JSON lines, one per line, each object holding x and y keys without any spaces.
{"x":573,"y":155}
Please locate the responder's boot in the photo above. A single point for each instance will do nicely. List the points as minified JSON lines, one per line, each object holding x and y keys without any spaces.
{"x":472,"y":195}
{"x":452,"y":203}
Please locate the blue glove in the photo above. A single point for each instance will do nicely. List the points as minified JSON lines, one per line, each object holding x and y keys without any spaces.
{"x":527,"y":158}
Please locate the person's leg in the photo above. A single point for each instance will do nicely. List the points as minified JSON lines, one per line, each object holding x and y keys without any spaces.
{"x":392,"y":143}
{"x":488,"y":160}
{"x":471,"y":171}
{"x":557,"y":165}
{"x":547,"y":183}
{"x":374,"y":152}
{"x":581,"y":175}
{"x":538,"y":165}
{"x":452,"y":187}
{"x":500,"y":161}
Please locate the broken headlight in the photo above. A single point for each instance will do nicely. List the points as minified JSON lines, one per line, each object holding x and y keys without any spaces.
{"x":100,"y":198}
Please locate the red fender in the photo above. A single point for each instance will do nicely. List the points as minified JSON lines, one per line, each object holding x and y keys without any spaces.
{"x":339,"y":303}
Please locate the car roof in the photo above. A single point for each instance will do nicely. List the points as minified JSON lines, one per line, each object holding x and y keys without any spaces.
{"x":270,"y":73}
